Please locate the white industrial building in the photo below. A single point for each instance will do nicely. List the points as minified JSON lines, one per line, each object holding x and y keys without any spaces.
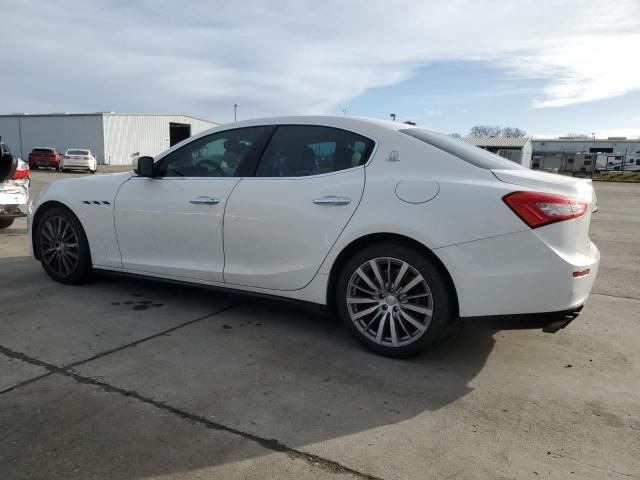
{"x":516,"y":149}
{"x":113,"y":137}
{"x":585,"y":154}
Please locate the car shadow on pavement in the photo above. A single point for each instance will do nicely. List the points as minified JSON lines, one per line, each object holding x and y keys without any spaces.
{"x":272,"y":373}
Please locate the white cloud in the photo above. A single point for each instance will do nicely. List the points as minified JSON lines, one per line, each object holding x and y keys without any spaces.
{"x":300,"y":57}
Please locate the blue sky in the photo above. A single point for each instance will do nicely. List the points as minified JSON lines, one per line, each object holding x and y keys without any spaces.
{"x":453,"y":96}
{"x":547,"y":66}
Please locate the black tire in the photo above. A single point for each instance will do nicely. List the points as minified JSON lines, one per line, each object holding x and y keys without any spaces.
{"x":436,"y":286}
{"x":93,"y":171}
{"x":6,"y":222}
{"x":81,"y":263}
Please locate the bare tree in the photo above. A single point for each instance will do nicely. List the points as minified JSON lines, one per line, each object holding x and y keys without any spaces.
{"x":509,"y":132}
{"x":455,"y":135}
{"x":577,"y":135}
{"x":485,"y":131}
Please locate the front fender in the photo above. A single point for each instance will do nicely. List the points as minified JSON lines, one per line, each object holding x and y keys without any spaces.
{"x":92,"y":200}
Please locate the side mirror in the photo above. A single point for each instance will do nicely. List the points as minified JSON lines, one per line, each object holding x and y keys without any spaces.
{"x":143,"y":166}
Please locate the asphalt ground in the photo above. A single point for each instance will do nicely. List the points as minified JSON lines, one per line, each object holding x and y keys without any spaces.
{"x":131,"y":379}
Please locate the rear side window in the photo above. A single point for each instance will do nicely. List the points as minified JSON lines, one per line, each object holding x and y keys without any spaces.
{"x":303,"y":150}
{"x":470,"y":154}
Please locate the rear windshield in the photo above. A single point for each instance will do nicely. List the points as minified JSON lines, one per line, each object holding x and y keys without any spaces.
{"x":77,"y":152}
{"x":42,"y":150}
{"x":470,"y":154}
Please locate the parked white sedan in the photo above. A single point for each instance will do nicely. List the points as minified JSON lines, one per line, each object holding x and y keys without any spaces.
{"x":398,"y":229}
{"x":79,"y":159}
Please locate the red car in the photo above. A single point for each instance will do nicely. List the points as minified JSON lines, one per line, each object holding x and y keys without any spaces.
{"x":44,"y":157}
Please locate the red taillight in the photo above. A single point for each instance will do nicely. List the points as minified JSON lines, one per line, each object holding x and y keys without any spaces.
{"x":87,"y":158}
{"x":537,"y":208}
{"x":581,"y":273}
{"x":66,"y":156}
{"x":21,"y":172}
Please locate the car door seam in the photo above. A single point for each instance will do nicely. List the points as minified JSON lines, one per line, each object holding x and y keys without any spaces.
{"x":224,"y":213}
{"x":113,"y":215}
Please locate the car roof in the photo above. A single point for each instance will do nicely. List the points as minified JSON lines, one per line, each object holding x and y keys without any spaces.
{"x":346,"y":122}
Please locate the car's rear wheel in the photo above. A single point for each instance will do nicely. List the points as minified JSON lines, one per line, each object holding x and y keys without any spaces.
{"x":6,"y":222}
{"x":62,"y":246}
{"x":393,"y":299}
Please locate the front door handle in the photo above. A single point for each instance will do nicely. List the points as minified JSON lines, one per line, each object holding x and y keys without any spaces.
{"x":332,"y":200}
{"x":205,"y":200}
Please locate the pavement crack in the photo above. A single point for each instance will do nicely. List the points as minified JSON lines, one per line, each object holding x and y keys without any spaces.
{"x":151,"y":337}
{"x":25,"y":382}
{"x":614,"y":296}
{"x":268,"y":443}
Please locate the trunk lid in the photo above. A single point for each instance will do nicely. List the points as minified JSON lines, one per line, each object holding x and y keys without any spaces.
{"x":568,"y":237}
{"x":548,"y":182}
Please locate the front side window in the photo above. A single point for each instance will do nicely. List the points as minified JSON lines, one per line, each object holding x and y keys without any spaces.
{"x":303,"y":150}
{"x":216,"y":155}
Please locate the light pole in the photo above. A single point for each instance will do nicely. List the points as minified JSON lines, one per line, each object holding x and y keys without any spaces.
{"x":344,"y":112}
{"x":235,"y":112}
{"x":393,"y":116}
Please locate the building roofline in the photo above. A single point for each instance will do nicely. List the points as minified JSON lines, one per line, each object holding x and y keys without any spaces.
{"x":588,"y":140}
{"x":105,"y":114}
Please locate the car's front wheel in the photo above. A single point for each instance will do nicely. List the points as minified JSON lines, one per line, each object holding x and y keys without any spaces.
{"x":62,"y":246}
{"x":393,"y":299}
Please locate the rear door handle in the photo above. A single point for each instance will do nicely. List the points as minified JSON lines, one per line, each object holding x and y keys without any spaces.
{"x":205,"y":200}
{"x":332,"y":200}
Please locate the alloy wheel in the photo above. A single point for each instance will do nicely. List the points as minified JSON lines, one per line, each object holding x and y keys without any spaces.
{"x":389,"y":302}
{"x":59,"y":246}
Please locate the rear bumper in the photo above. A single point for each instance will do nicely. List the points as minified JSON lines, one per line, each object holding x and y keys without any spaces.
{"x":549,"y":322}
{"x":518,"y":274}
{"x":77,"y":164}
{"x":43,"y":163}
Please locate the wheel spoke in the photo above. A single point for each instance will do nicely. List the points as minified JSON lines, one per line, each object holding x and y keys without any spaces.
{"x":411,"y":284}
{"x":361,"y":300}
{"x":392,"y":327}
{"x":373,"y":319}
{"x":417,"y":308}
{"x":364,"y":312}
{"x":367,"y":280}
{"x":412,"y":321}
{"x":368,"y":292}
{"x":376,"y":272}
{"x":381,"y":328}
{"x":48,"y":228}
{"x":401,"y":323}
{"x":65,"y":229}
{"x":65,"y":264}
{"x":72,"y":254}
{"x":413,"y":297}
{"x":58,"y":227}
{"x":403,"y":270}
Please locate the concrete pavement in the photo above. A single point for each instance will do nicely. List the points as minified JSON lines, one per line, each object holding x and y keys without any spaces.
{"x":130,"y":379}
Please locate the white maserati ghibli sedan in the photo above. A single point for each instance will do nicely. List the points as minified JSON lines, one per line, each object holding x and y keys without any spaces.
{"x":397,"y":229}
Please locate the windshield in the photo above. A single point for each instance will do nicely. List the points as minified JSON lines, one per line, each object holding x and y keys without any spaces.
{"x":470,"y":154}
{"x":77,"y":152}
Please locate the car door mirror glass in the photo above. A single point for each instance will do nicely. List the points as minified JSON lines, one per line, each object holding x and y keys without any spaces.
{"x":143,"y":166}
